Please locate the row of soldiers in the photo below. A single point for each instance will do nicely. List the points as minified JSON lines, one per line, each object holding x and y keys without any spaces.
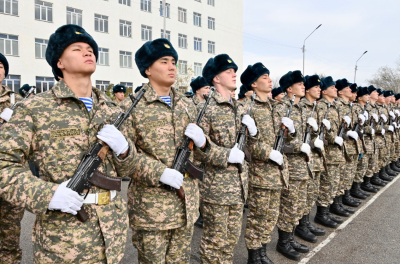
{"x":326,"y":150}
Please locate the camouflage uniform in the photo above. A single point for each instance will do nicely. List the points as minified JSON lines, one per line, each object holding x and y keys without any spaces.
{"x":391,"y":136}
{"x":334,"y":156}
{"x":224,"y":189}
{"x":196,"y":100}
{"x":381,"y":140}
{"x":10,"y":215}
{"x":265,"y":178}
{"x":162,"y":223}
{"x":54,"y":130}
{"x":294,"y":196}
{"x":388,"y":135}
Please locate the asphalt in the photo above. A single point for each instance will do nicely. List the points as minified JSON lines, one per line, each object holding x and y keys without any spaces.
{"x":371,"y":237}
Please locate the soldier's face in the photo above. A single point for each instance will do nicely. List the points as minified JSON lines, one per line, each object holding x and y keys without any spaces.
{"x":78,"y":58}
{"x":381,"y":99}
{"x":263,"y":84}
{"x":279,"y":97}
{"x":346,"y":92}
{"x":203,"y":90}
{"x":387,"y":100}
{"x":354,"y":97}
{"x":120,"y":96}
{"x":298,"y":89}
{"x":314,"y":92}
{"x":331,"y":91}
{"x":374,"y":95}
{"x":2,"y":72}
{"x":163,"y":71}
{"x":393,"y":99}
{"x":226,"y":79}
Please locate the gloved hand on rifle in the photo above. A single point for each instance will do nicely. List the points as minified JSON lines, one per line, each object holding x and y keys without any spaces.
{"x":366,"y":115}
{"x":195,"y":133}
{"x":172,"y":178}
{"x":6,"y":114}
{"x":251,"y":125}
{"x":313,"y":123}
{"x":352,"y":134}
{"x":236,"y":155}
{"x":362,"y":117}
{"x":375,"y":117}
{"x":276,"y":156}
{"x":347,"y":119}
{"x":327,"y":124}
{"x":384,"y":118}
{"x":114,"y":139}
{"x":383,"y":131}
{"x":339,"y":141}
{"x":306,"y":149}
{"x":391,"y":128}
{"x":288,"y":123}
{"x":318,"y":143}
{"x":397,"y":112}
{"x":66,"y":200}
{"x":392,"y":115}
{"x":372,"y":131}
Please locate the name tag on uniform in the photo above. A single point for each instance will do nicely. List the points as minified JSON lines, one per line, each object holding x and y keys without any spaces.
{"x":66,"y":132}
{"x":155,"y":124}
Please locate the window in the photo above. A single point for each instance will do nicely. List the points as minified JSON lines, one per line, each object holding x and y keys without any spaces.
{"x":197,"y":19}
{"x":103,"y":57}
{"x":74,"y":16}
{"x":125,"y":28}
{"x":43,"y":11}
{"x":101,"y":23}
{"x":198,"y":1}
{"x":40,"y":48}
{"x":125,"y":2}
{"x":211,"y":47}
{"x":211,"y":2}
{"x":9,"y":44}
{"x":127,"y":84}
{"x":182,"y":66}
{"x":182,"y":41}
{"x":145,"y":5}
{"x":44,"y":84}
{"x":197,"y":44}
{"x":167,"y":10}
{"x":211,"y":23}
{"x":125,"y":59}
{"x":12,"y":81}
{"x":198,"y":68}
{"x":167,"y":35}
{"x":9,"y":7}
{"x":102,"y":85}
{"x":181,"y":14}
{"x":146,"y":33}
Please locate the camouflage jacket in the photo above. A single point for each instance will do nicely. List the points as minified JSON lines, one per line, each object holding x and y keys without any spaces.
{"x":158,"y":130}
{"x":222,"y":183}
{"x":334,"y":155}
{"x":380,"y":140}
{"x":54,"y":130}
{"x":196,"y":100}
{"x":389,"y":134}
{"x":368,"y":138}
{"x":297,"y":165}
{"x":5,"y":97}
{"x":264,"y":173}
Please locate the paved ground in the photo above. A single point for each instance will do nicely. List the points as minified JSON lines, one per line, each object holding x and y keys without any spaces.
{"x":371,"y":237}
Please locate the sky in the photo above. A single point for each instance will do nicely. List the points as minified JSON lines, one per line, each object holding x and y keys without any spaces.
{"x":274,"y":31}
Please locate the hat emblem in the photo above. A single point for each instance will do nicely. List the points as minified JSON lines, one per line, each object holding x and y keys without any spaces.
{"x":78,"y":33}
{"x":167,"y":46}
{"x":229,"y":61}
{"x":319,"y":80}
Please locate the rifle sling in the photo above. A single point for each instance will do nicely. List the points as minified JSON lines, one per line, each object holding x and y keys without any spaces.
{"x":105,"y":182}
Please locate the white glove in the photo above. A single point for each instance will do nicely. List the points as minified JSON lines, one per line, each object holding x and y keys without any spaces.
{"x":375,"y":116}
{"x":339,"y":141}
{"x":276,"y":156}
{"x":384,"y":118}
{"x":113,"y":138}
{"x":352,"y":134}
{"x":372,"y":131}
{"x":172,"y":178}
{"x":318,"y":143}
{"x":66,"y":200}
{"x":194,"y":132}
{"x":6,"y":114}
{"x":383,"y":131}
{"x":251,"y":125}
{"x":391,"y":128}
{"x":327,"y":124}
{"x":395,"y":124}
{"x":397,"y":112}
{"x":236,"y":155}
{"x":347,"y":119}
{"x":305,"y":148}
{"x":392,"y":115}
{"x":362,"y":117}
{"x":287,"y":122}
{"x":313,"y":123}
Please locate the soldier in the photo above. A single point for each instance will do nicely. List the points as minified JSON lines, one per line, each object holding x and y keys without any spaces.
{"x":278,"y":94}
{"x":224,"y":189}
{"x":389,"y":132}
{"x":199,"y":87}
{"x":24,"y":89}
{"x":161,"y":221}
{"x":55,"y":129}
{"x":395,"y":138}
{"x":294,"y":196}
{"x":265,"y":178}
{"x":305,"y":229}
{"x":119,"y":91}
{"x":244,"y":93}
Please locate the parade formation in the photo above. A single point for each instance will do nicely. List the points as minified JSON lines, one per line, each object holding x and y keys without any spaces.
{"x":194,"y":159}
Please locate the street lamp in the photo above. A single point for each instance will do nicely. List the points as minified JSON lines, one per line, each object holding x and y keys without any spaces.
{"x":304,"y":46}
{"x":355,"y":70}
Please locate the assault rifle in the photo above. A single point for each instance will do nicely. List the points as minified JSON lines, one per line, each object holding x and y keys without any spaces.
{"x":343,"y":125}
{"x":322,"y":137}
{"x":283,"y":132}
{"x":372,"y":123}
{"x":83,"y":176}
{"x":357,"y":126}
{"x":307,"y":135}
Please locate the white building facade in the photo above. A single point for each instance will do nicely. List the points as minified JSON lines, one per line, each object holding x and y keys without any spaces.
{"x":198,"y":30}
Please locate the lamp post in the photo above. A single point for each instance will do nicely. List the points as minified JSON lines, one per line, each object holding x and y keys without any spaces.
{"x":164,"y":7}
{"x":304,"y":46}
{"x":355,"y":69}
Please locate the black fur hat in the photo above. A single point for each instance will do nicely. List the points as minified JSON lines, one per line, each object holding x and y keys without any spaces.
{"x":243,"y":90}
{"x":152,"y":51}
{"x":312,"y":81}
{"x":277,"y":91}
{"x":371,"y":88}
{"x":198,"y":83}
{"x":24,"y":89}
{"x":353,"y":87}
{"x":252,"y":73}
{"x":341,"y":84}
{"x":397,"y":96}
{"x":388,"y":93}
{"x":138,"y":88}
{"x":119,"y":88}
{"x":4,"y":61}
{"x":380,"y":92}
{"x":327,"y":82}
{"x":290,"y":78}
{"x":188,"y":94}
{"x":61,"y":39}
{"x":216,"y":65}
{"x":362,"y":91}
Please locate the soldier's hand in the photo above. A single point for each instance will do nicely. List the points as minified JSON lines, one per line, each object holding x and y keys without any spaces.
{"x":397,"y":112}
{"x":276,"y":156}
{"x":372,"y":131}
{"x":287,"y":122}
{"x":172,"y":178}
{"x":6,"y":114}
{"x":391,"y":128}
{"x":114,"y":138}
{"x":66,"y":200}
{"x":194,"y":132}
{"x":383,"y":131}
{"x":375,"y":116}
{"x":339,"y":141}
{"x":352,"y":134}
{"x":236,"y":155}
{"x":327,"y":124}
{"x":362,"y":117}
{"x":347,"y":119}
{"x":305,"y":148}
{"x":384,"y":118}
{"x":251,"y":125}
{"x":313,"y":123}
{"x":366,"y":115}
{"x":318,"y":143}
{"x":392,"y":115}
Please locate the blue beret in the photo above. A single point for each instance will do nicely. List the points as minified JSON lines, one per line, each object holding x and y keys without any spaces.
{"x":4,"y":61}
{"x":152,"y":51}
{"x":341,"y":84}
{"x":119,"y":88}
{"x":353,"y":87}
{"x":198,"y":83}
{"x":362,"y":91}
{"x":277,"y":91}
{"x":327,"y":82}
{"x":252,"y":73}
{"x":312,"y":81}
{"x":61,"y":39}
{"x":290,"y":78}
{"x":216,"y":65}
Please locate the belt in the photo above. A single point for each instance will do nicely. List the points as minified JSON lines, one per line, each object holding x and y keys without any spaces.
{"x":100,"y":198}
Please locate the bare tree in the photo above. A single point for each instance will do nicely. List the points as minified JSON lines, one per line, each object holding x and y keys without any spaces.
{"x":387,"y":78}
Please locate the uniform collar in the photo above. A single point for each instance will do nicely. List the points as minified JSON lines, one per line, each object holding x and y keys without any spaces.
{"x":4,"y":92}
{"x":62,"y":91}
{"x":305,"y":101}
{"x":152,"y":96}
{"x":222,"y":100}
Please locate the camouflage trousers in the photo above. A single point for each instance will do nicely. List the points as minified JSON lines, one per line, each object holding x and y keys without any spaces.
{"x":382,"y":157}
{"x":312,"y":192}
{"x":365,"y":167}
{"x":163,"y":246}
{"x":293,"y":204}
{"x":10,"y":230}
{"x":262,"y":217}
{"x":222,"y":226}
{"x":347,"y":174}
{"x":393,"y":152}
{"x":329,"y":184}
